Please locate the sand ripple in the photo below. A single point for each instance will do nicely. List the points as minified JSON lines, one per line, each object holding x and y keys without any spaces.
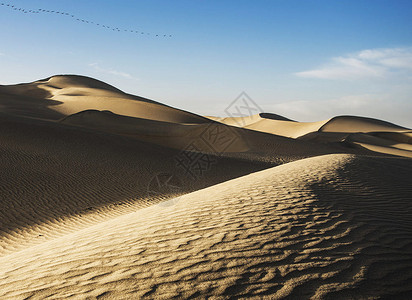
{"x":333,"y":226}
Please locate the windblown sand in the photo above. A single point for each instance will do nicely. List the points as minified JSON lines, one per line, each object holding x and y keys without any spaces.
{"x":287,"y":209}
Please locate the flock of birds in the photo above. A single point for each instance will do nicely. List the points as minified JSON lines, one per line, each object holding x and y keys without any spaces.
{"x":26,"y":11}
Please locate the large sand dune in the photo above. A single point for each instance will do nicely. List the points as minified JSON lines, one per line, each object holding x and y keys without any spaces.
{"x":315,"y":228}
{"x":68,"y":94}
{"x":50,"y":173}
{"x":104,"y":194}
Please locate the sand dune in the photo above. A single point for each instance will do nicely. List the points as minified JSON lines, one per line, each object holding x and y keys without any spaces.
{"x":376,"y":140}
{"x":282,"y":126}
{"x":404,"y":137}
{"x":359,"y":124}
{"x":108,"y":195}
{"x":212,"y":137}
{"x":380,"y":145}
{"x":286,"y":128}
{"x":364,"y":133}
{"x":69,"y":94}
{"x":169,"y":134}
{"x":392,"y":143}
{"x":248,"y":120}
{"x":307,"y":229}
{"x":54,"y":174}
{"x":274,"y":124}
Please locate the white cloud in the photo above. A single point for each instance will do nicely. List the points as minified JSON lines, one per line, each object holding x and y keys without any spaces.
{"x":98,"y":68}
{"x":371,"y":63}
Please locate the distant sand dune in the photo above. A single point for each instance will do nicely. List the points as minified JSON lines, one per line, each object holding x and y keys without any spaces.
{"x":285,"y":127}
{"x":379,"y":148}
{"x":404,"y":137}
{"x":272,"y":123}
{"x":392,"y":143}
{"x":359,"y":124}
{"x":382,"y":137}
{"x":317,"y":228}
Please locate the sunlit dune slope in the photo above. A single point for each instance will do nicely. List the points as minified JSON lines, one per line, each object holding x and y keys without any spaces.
{"x":56,"y":174}
{"x":359,"y":124}
{"x":211,"y":137}
{"x":378,"y":144}
{"x":248,"y":120}
{"x":62,"y":95}
{"x":335,"y":226}
{"x":274,"y":124}
{"x":355,"y":132}
{"x":285,"y":127}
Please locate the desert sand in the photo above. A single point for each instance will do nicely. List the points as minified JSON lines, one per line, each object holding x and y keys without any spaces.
{"x":108,"y":195}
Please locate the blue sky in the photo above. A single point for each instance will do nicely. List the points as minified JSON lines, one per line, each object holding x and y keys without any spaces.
{"x":307,"y":60}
